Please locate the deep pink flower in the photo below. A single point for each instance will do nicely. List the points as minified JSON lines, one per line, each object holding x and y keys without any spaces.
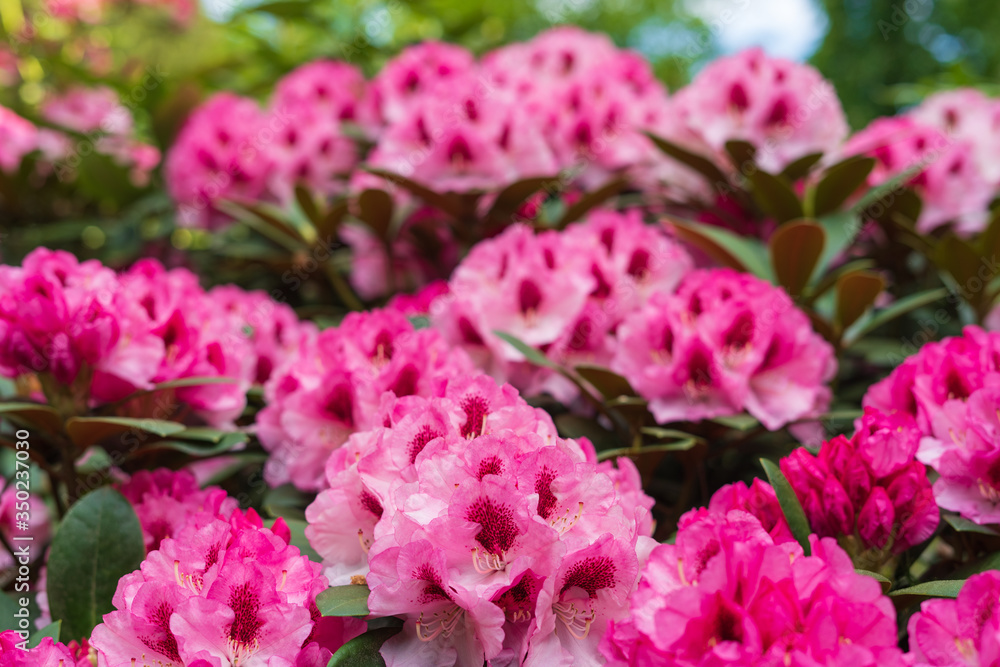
{"x":48,"y":653}
{"x":960,"y":632}
{"x":18,"y":138}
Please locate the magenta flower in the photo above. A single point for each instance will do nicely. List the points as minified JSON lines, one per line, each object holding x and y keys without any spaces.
{"x":48,"y":653}
{"x":869,"y":489}
{"x":725,"y":342}
{"x":18,"y":138}
{"x":960,"y":632}
{"x":725,"y":594}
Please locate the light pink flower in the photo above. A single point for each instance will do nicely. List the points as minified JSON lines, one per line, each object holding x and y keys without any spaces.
{"x":18,"y":138}
{"x":960,"y":632}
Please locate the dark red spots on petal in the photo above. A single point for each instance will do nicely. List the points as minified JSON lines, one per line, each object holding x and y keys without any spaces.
{"x":476,"y":409}
{"x":420,"y":440}
{"x":700,"y":369}
{"x":591,"y":574}
{"x":491,"y":465}
{"x":608,"y":239}
{"x":459,"y":152}
{"x":405,"y":383}
{"x":529,"y":296}
{"x":433,"y":591}
{"x":738,"y":98}
{"x":638,"y":266}
{"x":602,"y":290}
{"x":740,"y":332}
{"x":166,"y":643}
{"x":245,"y":603}
{"x":212,"y":556}
{"x":779,"y":114}
{"x":468,"y":332}
{"x":340,"y":405}
{"x":543,"y":487}
{"x":498,"y":531}
{"x":371,"y":503}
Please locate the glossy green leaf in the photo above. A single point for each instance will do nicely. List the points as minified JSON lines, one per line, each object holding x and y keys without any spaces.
{"x":899,"y":308}
{"x":51,"y":630}
{"x":591,"y":200}
{"x":740,"y":422}
{"x":8,"y":608}
{"x":946,"y":588}
{"x":512,"y":198}
{"x":800,"y":168}
{"x":796,"y":248}
{"x":606,"y":381}
{"x":885,"y":583}
{"x":575,"y":426}
{"x":329,"y":222}
{"x":440,"y":201}
{"x":307,"y":202}
{"x":774,"y":196}
{"x":98,"y":542}
{"x":959,"y":258}
{"x":966,"y":526}
{"x":32,"y":414}
{"x":727,"y":248}
{"x":839,"y":182}
{"x":375,"y":209}
{"x":87,"y":431}
{"x":856,"y":293}
{"x":659,"y":448}
{"x":228,"y":443}
{"x":350,"y":600}
{"x":363,"y":651}
{"x":699,"y":163}
{"x":790,"y":505}
{"x":743,"y":155}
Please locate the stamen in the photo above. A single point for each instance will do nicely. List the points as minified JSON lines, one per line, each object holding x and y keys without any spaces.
{"x":442,"y":623}
{"x":577,"y":621}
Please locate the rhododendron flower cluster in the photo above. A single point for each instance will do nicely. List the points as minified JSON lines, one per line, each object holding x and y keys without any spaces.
{"x":784,"y":109}
{"x":726,"y":594}
{"x":869,"y":488}
{"x":10,"y":510}
{"x":165,"y":501}
{"x":99,"y":336}
{"x":725,"y":342}
{"x":223,"y":593}
{"x":951,"y":389}
{"x":337,"y":382}
{"x":493,"y":538}
{"x":964,"y":631}
{"x":563,"y":293}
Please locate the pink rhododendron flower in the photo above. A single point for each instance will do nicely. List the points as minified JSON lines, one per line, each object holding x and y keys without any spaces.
{"x":869,"y":489}
{"x":48,"y":653}
{"x":785,"y":110}
{"x":408,"y":78}
{"x":227,"y":593}
{"x":965,"y":631}
{"x":725,"y":342}
{"x":220,"y":154}
{"x":726,"y":594}
{"x":336,"y":384}
{"x":11,"y":511}
{"x":165,"y":501}
{"x":948,"y":179}
{"x":966,"y":114}
{"x":18,"y":137}
{"x":758,"y":499}
{"x":87,"y":109}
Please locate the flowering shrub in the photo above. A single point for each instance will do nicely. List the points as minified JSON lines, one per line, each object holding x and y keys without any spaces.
{"x":526,"y":362}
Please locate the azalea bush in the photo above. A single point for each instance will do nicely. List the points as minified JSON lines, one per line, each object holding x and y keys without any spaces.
{"x":510,"y":359}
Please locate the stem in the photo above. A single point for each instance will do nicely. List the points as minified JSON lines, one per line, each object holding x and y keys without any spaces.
{"x":341,"y":287}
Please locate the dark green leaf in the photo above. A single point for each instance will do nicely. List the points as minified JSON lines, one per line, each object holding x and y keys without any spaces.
{"x":98,"y":542}
{"x":591,"y":200}
{"x":743,"y":155}
{"x":375,"y":209}
{"x":51,"y":630}
{"x":530,"y":353}
{"x":795,"y":250}
{"x":947,"y":588}
{"x":841,"y":230}
{"x":363,"y":651}
{"x":678,"y":446}
{"x":575,"y":426}
{"x":966,"y":526}
{"x":8,"y":607}
{"x":959,"y":258}
{"x":790,"y":505}
{"x":607,"y":382}
{"x":774,"y":196}
{"x":439,"y":201}
{"x":741,"y":422}
{"x":898,"y":308}
{"x":512,"y":197}
{"x":229,"y":442}
{"x":350,"y":600}
{"x":725,"y":247}
{"x":265,"y":222}
{"x":801,"y":167}
{"x":699,"y":163}
{"x":307,"y":203}
{"x":856,"y":293}
{"x":202,"y":434}
{"x":297,"y":529}
{"x":328,"y":224}
{"x":885,"y":583}
{"x":87,"y":431}
{"x":32,"y":414}
{"x":839,"y":182}
{"x":193,"y":382}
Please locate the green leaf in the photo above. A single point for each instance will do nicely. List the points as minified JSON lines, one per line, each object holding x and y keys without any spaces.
{"x":801,"y":167}
{"x":282,"y":9}
{"x":885,"y":583}
{"x":775,"y":197}
{"x":574,"y":426}
{"x":841,"y":230}
{"x":732,"y":250}
{"x":193,"y":382}
{"x":363,"y":651}
{"x":442,"y":202}
{"x":607,"y":382}
{"x":742,"y":154}
{"x":51,"y":630}
{"x":307,"y":203}
{"x":790,"y":505}
{"x":959,"y":258}
{"x":839,"y":182}
{"x":699,"y":163}
{"x":795,"y":251}
{"x":740,"y":422}
{"x":266,"y":223}
{"x":229,"y":442}
{"x":328,"y":224}
{"x":350,"y":600}
{"x":98,"y":542}
{"x":87,"y":431}
{"x":8,"y":607}
{"x":530,"y":353}
{"x":512,"y":197}
{"x":94,"y":459}
{"x":947,"y":588}
{"x":856,"y":293}
{"x":375,"y":209}
{"x":678,"y":446}
{"x":203,"y":434}
{"x":897,"y":309}
{"x":591,"y":200}
{"x":966,"y":526}
{"x":32,"y":414}
{"x":297,"y":529}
